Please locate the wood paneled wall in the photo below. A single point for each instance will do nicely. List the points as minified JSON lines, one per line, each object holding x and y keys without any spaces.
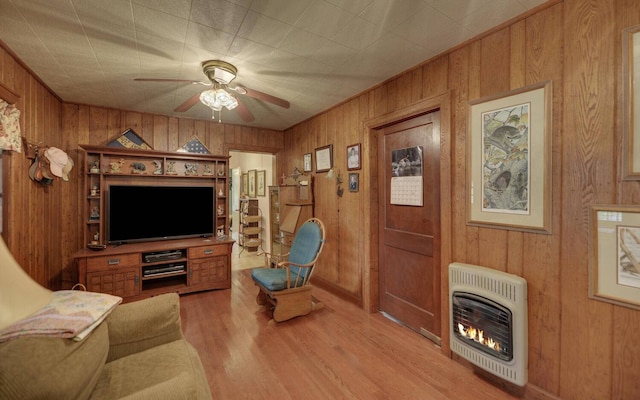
{"x":578,"y":348}
{"x":44,"y":224}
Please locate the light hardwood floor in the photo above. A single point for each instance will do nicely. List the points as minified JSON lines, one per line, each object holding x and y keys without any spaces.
{"x":337,"y":352}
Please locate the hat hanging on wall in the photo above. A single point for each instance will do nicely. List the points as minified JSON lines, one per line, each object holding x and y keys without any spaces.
{"x":60,"y":163}
{"x":50,"y":163}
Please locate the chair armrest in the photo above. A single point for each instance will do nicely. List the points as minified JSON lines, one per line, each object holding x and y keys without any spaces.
{"x":268,"y":256}
{"x":287,"y":265}
{"x":140,"y":325}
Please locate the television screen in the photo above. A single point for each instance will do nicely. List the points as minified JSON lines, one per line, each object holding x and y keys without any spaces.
{"x":145,"y":213}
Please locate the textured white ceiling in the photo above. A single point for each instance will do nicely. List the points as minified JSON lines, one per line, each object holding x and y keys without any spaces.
{"x":313,"y":53}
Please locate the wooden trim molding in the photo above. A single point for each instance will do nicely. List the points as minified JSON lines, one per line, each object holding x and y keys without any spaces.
{"x":8,"y":95}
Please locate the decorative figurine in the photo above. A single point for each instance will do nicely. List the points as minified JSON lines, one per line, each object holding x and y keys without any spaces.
{"x":116,"y":165}
{"x":158,"y":167}
{"x":220,"y":193}
{"x":95,"y":167}
{"x":190,"y":169}
{"x":138,"y":168}
{"x":96,"y":238}
{"x":220,"y":209}
{"x":171,"y":168}
{"x":94,"y":189}
{"x":207,"y":170}
{"x":221,"y":172}
{"x":220,"y":232}
{"x":95,"y":214}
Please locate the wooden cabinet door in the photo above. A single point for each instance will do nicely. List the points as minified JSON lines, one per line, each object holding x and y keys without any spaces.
{"x":123,"y":282}
{"x":205,"y":272}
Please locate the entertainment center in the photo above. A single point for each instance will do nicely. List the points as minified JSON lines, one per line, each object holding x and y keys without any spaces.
{"x":155,"y":222}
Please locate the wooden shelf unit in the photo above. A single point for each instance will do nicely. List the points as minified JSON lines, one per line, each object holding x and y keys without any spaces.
{"x":250,"y":228}
{"x":201,"y":264}
{"x":159,"y":167}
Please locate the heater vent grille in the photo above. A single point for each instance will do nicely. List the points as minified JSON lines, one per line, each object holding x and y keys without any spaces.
{"x":507,"y":290}
{"x":487,"y":363}
{"x":498,"y":286}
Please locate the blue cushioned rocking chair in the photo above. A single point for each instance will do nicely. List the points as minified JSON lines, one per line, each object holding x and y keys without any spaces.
{"x":286,"y":287}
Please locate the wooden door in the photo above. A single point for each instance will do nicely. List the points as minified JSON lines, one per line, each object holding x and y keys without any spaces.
{"x":409,"y":248}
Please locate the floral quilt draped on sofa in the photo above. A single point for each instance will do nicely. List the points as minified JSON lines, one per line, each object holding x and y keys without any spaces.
{"x":10,"y":136}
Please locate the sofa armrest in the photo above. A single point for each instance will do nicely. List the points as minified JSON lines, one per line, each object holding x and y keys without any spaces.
{"x":137,"y":326}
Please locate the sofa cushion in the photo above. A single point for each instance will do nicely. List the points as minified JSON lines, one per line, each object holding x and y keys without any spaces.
{"x":172,"y":369}
{"x":143,"y":324}
{"x":52,"y":368}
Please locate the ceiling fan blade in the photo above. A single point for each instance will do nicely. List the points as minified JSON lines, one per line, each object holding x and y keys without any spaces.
{"x":190,"y":102}
{"x":172,"y":80}
{"x":244,"y":112}
{"x":262,"y":96}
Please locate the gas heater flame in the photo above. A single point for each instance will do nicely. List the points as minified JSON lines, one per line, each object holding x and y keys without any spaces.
{"x":477,"y":335}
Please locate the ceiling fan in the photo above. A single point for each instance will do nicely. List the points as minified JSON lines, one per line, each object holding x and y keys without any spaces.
{"x":217,"y":97}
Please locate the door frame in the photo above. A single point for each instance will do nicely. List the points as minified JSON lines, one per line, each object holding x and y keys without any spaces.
{"x":370,"y":278}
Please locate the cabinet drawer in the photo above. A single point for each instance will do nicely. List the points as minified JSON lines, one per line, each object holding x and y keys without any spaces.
{"x":207,"y":251}
{"x":114,"y":261}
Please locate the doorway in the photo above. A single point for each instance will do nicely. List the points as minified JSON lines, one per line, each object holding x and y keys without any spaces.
{"x":240,"y":163}
{"x":409,"y":236}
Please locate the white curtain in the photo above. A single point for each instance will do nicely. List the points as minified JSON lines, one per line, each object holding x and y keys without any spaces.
{"x":10,"y":136}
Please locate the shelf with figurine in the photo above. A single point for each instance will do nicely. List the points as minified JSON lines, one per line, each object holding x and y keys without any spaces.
{"x":105,"y":166}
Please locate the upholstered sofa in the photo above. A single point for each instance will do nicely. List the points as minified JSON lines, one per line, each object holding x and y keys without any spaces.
{"x":137,"y":352}
{"x":72,"y":344}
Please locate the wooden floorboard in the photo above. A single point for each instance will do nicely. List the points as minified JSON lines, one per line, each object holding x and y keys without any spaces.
{"x":337,"y":352}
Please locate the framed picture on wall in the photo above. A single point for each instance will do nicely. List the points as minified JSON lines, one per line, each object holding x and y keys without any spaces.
{"x":306,"y":163}
{"x":509,"y":160}
{"x":252,"y":183}
{"x":631,"y":103}
{"x":245,"y":184}
{"x":353,"y":157}
{"x":354,"y":183}
{"x":614,"y":254}
{"x":261,"y":178}
{"x":324,"y":158}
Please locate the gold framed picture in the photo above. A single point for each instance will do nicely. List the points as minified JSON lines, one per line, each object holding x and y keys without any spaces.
{"x":614,"y":247}
{"x":509,"y":160}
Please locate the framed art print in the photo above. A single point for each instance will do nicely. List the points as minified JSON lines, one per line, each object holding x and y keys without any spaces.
{"x":614,"y":247}
{"x":260,"y":182}
{"x":509,"y":160}
{"x":631,"y":103}
{"x":252,"y":183}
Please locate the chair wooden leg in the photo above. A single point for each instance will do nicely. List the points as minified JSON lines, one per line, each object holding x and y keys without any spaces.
{"x":261,"y":298}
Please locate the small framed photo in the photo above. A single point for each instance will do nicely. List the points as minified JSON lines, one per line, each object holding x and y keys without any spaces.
{"x":614,"y":254}
{"x":324,"y":158}
{"x":306,"y":164}
{"x":261,"y":177}
{"x":353,"y":157}
{"x":354,"y":181}
{"x":252,"y":183}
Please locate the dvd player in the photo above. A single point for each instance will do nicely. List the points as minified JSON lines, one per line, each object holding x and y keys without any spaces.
{"x":162,"y":270}
{"x":162,"y":256}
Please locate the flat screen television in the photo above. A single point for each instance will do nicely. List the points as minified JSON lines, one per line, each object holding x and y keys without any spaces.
{"x":137,"y":213}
